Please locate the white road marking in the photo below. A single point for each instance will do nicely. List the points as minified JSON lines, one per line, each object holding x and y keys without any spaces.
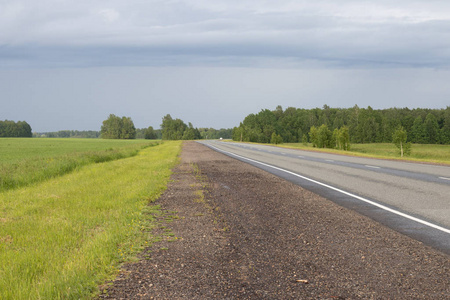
{"x":329,"y":160}
{"x":373,"y":167}
{"x":300,"y":156}
{"x":346,"y":193}
{"x":445,"y":178}
{"x":282,"y":153}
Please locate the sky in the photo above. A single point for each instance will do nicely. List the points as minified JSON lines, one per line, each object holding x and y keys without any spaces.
{"x":67,"y":65}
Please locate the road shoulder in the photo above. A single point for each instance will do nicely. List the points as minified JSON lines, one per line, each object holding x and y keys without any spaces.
{"x":238,"y":232}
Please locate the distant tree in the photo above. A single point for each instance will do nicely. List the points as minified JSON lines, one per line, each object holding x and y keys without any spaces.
{"x":140,"y":133}
{"x":112,"y":127}
{"x":354,"y":123}
{"x":304,"y":139}
{"x":191,"y":133}
{"x":118,"y":128}
{"x":335,"y":138}
{"x":341,"y":138}
{"x":13,"y":129}
{"x":276,"y":139}
{"x":128,"y":131}
{"x":278,"y":112}
{"x":224,"y":133}
{"x":418,"y":131}
{"x":431,"y":129}
{"x":324,"y":137}
{"x":172,"y":129}
{"x":314,"y":136}
{"x":69,"y":134}
{"x":445,"y":130}
{"x":211,"y":133}
{"x":150,"y":134}
{"x":24,"y":129}
{"x":344,"y":138}
{"x":176,"y":129}
{"x":399,"y":139}
{"x":238,"y":133}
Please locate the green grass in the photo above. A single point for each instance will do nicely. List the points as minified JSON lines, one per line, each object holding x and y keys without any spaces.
{"x":61,"y":238}
{"x":422,"y":153}
{"x":419,"y":152}
{"x":26,"y":161}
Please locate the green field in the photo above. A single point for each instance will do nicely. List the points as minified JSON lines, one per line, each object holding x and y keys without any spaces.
{"x":423,"y":153}
{"x":25,"y":161}
{"x":62,"y":237}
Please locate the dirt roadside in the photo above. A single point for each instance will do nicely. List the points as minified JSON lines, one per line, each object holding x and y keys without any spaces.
{"x":242,"y":233}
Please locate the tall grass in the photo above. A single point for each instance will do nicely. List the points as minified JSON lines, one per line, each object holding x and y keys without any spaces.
{"x":26,"y":161}
{"x":59,"y":239}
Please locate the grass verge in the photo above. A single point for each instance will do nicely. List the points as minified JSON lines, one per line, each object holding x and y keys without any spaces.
{"x":27,"y":161}
{"x":59,"y":239}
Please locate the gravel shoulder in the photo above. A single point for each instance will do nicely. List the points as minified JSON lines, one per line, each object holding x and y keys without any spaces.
{"x":237,"y":232}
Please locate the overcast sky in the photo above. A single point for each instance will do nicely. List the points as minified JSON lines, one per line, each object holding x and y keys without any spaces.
{"x":67,"y":64}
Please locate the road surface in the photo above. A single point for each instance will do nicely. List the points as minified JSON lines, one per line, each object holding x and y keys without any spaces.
{"x":412,"y":198}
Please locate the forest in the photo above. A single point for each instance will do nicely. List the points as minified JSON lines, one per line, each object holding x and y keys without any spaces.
{"x":365,"y":125}
{"x":141,"y":133}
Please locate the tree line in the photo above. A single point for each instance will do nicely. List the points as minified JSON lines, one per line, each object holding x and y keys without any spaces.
{"x":15,"y":129}
{"x":141,"y":133}
{"x":364,"y":125}
{"x":115,"y":127}
{"x":85,"y":134}
{"x":171,"y":129}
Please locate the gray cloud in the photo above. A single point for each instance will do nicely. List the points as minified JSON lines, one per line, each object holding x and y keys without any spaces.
{"x":350,"y":33}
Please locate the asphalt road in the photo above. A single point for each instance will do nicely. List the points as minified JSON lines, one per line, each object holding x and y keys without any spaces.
{"x":409,"y":197}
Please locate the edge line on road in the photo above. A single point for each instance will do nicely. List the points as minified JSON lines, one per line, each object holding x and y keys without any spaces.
{"x":373,"y":167}
{"x":399,"y":213}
